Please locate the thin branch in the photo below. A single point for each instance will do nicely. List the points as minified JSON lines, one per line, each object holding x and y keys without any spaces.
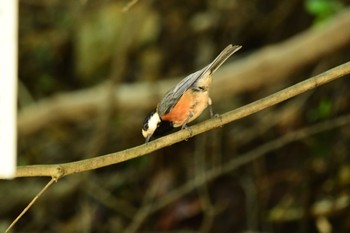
{"x":64,"y":169}
{"x":248,"y":157}
{"x":261,"y":69}
{"x":30,"y":204}
{"x":236,"y":163}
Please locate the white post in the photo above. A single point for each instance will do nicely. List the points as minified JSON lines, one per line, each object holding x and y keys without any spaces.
{"x":8,"y":87}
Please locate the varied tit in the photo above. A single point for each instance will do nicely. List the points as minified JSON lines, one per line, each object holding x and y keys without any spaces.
{"x":186,"y":101}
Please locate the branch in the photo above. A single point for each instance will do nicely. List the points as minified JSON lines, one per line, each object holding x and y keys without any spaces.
{"x":264,"y":68}
{"x":59,"y":170}
{"x":30,"y":204}
{"x":236,"y":163}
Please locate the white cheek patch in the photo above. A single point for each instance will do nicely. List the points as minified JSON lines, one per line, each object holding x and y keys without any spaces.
{"x":153,"y":122}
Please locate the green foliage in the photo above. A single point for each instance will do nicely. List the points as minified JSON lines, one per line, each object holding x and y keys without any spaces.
{"x":322,"y":9}
{"x":322,"y":111}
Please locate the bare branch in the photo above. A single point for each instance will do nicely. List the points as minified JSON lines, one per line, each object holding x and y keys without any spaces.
{"x":235,"y":163}
{"x":31,"y":203}
{"x":265,"y":67}
{"x":64,"y":169}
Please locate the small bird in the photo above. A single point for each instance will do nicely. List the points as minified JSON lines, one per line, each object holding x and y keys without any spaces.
{"x":186,"y":101}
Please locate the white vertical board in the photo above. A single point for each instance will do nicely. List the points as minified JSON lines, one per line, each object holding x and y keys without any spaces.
{"x":8,"y":87}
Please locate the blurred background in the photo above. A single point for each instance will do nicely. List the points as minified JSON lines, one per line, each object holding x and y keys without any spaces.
{"x":91,"y":70}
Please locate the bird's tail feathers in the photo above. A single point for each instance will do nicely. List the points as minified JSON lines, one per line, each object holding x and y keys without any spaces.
{"x":222,"y":57}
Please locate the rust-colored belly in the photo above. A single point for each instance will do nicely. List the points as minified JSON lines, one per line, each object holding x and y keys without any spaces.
{"x":189,"y":107}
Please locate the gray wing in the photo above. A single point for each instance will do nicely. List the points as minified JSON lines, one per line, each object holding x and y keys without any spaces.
{"x":172,"y":97}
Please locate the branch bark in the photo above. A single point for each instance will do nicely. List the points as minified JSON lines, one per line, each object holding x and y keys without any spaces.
{"x":265,"y":67}
{"x":59,"y":170}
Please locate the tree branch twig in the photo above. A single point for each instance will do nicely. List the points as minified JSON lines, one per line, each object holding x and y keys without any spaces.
{"x":30,"y":204}
{"x":261,"y":69}
{"x":236,"y":163}
{"x":59,"y":170}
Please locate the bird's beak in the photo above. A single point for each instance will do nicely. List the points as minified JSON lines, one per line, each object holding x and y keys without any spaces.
{"x":148,"y":138}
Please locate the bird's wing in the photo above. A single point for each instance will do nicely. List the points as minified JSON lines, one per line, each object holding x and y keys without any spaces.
{"x":172,"y":97}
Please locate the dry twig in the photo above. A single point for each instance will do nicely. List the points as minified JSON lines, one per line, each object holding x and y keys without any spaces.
{"x":30,"y":204}
{"x":264,"y":68}
{"x":59,"y":170}
{"x":236,"y":163}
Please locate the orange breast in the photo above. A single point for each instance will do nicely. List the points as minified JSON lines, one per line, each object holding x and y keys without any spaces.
{"x":181,"y":110}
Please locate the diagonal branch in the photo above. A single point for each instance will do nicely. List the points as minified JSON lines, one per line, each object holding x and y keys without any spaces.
{"x":233,"y":164}
{"x":59,"y":170}
{"x":30,"y":204}
{"x":268,"y":66}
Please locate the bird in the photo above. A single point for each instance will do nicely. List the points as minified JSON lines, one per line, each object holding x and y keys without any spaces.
{"x":186,"y":101}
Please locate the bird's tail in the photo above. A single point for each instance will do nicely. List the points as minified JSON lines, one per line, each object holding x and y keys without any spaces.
{"x":222,"y":57}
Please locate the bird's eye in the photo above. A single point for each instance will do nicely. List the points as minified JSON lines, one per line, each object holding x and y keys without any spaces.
{"x":145,"y":126}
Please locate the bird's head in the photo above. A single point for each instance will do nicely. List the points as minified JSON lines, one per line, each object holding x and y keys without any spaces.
{"x":150,"y":124}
